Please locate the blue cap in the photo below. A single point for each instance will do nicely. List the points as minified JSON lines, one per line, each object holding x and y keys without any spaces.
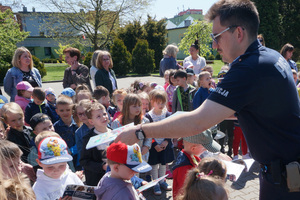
{"x":68,"y":92}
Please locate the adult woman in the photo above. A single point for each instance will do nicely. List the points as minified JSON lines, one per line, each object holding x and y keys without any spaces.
{"x":197,"y":61}
{"x":287,"y":52}
{"x":105,"y":76}
{"x":93,"y":68}
{"x":169,"y":59}
{"x":77,"y":73}
{"x":22,"y":70}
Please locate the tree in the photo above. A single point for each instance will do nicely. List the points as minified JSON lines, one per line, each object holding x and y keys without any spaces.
{"x":155,"y":34}
{"x":269,"y":22}
{"x":96,"y":19}
{"x":121,"y":57}
{"x":142,"y":58}
{"x":198,"y":30}
{"x":10,"y":35}
{"x":131,"y":33}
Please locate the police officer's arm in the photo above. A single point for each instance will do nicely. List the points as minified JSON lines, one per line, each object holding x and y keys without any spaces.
{"x":187,"y":124}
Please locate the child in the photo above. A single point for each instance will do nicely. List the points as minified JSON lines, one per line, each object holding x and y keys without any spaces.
{"x":39,"y":122}
{"x":101,"y":94}
{"x":137,"y":87}
{"x":94,"y":160}
{"x":204,"y":83}
{"x":84,"y":129}
{"x":188,"y":158}
{"x":19,"y":134}
{"x":145,"y":102}
{"x":171,"y":88}
{"x":190,"y":77}
{"x":69,"y":92}
{"x":117,"y":99}
{"x":237,"y":138}
{"x":210,"y":69}
{"x":132,"y":112}
{"x":167,"y":78}
{"x":37,"y":105}
{"x":161,"y":151}
{"x":51,"y":101}
{"x":10,"y":161}
{"x":124,"y":162}
{"x":202,"y":186}
{"x":66,"y":125}
{"x":214,"y":167}
{"x":55,"y":175}
{"x":183,"y":94}
{"x":24,"y":92}
{"x":83,"y":94}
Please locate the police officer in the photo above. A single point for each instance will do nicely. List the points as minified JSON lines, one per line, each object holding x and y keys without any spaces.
{"x":259,"y":88}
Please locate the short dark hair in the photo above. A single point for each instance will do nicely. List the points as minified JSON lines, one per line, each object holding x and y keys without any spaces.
{"x":180,"y":74}
{"x":39,"y":93}
{"x":73,"y":52}
{"x":100,"y":91}
{"x":236,"y":12}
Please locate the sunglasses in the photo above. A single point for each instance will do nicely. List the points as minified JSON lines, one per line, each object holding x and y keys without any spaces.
{"x":214,"y":37}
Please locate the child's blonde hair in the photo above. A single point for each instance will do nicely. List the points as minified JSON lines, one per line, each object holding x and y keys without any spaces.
{"x":217,"y":167}
{"x":11,"y":107}
{"x":86,"y":92}
{"x":201,"y":186}
{"x":17,"y":188}
{"x":158,"y":95}
{"x":201,"y":75}
{"x":64,"y":100}
{"x":94,"y":105}
{"x":130,"y":99}
{"x":118,"y":92}
{"x":82,"y":87}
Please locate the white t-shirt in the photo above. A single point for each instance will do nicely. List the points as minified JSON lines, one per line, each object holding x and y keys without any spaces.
{"x":93,"y":71}
{"x":46,"y":188}
{"x":199,"y":63}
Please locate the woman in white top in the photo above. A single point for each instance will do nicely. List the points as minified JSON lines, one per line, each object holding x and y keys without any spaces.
{"x":93,"y":68}
{"x":197,"y":61}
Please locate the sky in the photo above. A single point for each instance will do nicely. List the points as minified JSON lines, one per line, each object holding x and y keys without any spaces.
{"x":158,"y":8}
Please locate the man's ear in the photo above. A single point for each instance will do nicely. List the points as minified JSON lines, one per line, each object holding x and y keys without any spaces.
{"x":241,"y":33}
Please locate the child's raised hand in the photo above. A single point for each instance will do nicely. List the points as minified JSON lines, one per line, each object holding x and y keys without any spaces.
{"x":164,"y":144}
{"x":28,"y":170}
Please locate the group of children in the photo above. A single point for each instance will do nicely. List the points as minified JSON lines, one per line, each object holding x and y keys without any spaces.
{"x":52,"y":144}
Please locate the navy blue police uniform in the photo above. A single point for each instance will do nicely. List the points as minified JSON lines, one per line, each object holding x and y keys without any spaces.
{"x":259,"y":86}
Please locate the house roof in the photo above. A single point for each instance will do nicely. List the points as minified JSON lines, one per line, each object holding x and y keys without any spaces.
{"x":178,"y":21}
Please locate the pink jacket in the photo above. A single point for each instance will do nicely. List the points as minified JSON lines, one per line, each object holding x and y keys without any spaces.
{"x":23,"y":102}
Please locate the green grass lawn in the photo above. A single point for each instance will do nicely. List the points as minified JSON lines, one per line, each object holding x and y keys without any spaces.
{"x":55,"y":72}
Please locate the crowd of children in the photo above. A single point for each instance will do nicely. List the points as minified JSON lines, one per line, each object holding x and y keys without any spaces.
{"x":45,"y":135}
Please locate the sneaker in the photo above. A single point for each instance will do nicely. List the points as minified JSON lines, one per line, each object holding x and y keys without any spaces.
{"x":235,"y":157}
{"x":170,"y":175}
{"x":246,"y":156}
{"x":165,"y":186}
{"x":157,"y":190}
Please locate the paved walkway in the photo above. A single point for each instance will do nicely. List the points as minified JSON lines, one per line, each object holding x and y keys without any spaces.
{"x":246,"y":188}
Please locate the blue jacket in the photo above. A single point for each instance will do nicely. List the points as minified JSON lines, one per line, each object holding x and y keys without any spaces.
{"x":167,"y":62}
{"x":200,"y":96}
{"x":13,"y":76}
{"x":32,"y":109}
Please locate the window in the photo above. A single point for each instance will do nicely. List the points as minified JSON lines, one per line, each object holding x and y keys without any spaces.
{"x":47,"y":51}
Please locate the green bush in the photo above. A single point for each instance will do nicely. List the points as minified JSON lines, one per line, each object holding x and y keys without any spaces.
{"x":218,"y":56}
{"x":142,"y":58}
{"x":121,"y":58}
{"x":4,"y":66}
{"x":87,"y":59}
{"x":39,"y":65}
{"x":211,"y":57}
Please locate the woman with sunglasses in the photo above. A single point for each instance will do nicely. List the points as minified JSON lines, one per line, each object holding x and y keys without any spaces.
{"x":197,"y":61}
